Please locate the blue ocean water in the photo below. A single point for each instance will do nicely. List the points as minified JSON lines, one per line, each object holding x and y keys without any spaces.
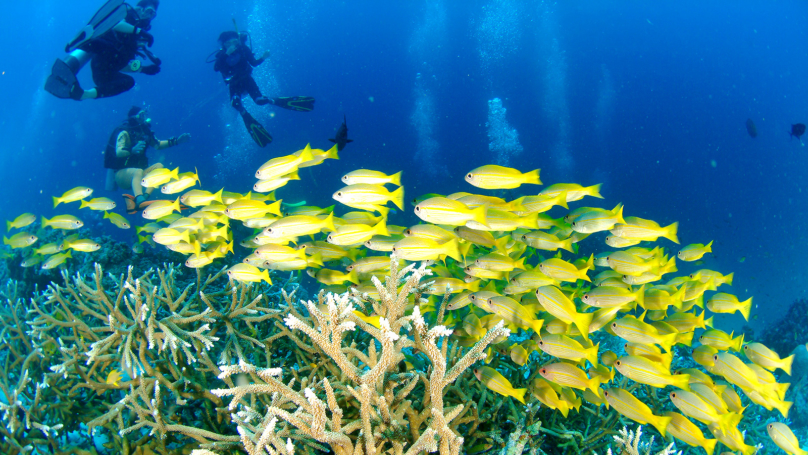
{"x":649,"y":99}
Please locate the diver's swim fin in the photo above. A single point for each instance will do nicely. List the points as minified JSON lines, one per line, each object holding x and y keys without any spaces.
{"x":62,"y":82}
{"x":294,"y":103}
{"x":104,"y":19}
{"x":259,"y":134}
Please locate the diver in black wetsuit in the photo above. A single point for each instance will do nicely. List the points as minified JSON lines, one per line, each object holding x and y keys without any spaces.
{"x":111,"y":53}
{"x":235,"y":61}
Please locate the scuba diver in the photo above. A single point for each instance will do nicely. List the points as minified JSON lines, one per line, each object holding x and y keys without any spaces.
{"x":125,"y":156}
{"x":235,"y":60}
{"x":112,"y":41}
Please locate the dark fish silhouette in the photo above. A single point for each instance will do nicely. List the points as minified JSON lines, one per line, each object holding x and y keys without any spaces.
{"x":798,"y":129}
{"x":341,"y":138}
{"x":751,"y":128}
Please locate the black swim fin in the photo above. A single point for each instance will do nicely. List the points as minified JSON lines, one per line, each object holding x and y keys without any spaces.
{"x":105,"y":18}
{"x":294,"y":103}
{"x":259,"y":134}
{"x":62,"y":82}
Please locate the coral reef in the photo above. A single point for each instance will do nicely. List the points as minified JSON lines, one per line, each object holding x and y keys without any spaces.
{"x":790,"y":331}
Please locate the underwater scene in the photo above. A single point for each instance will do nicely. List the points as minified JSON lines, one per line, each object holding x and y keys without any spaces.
{"x":496,"y":227}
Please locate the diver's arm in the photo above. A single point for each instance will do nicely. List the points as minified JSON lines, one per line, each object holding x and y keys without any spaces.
{"x":172,"y":141}
{"x":123,"y":145}
{"x":255,"y":61}
{"x":126,"y":27}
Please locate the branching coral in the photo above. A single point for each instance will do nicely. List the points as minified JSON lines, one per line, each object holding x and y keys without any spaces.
{"x":364,"y":405}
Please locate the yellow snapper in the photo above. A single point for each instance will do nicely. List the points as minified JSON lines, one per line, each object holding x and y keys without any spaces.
{"x":430,"y":232}
{"x":159,"y":209}
{"x":766,"y":358}
{"x":739,"y":373}
{"x":782,"y":435}
{"x":568,"y":375}
{"x":199,"y":260}
{"x":559,"y":305}
{"x":561,"y":270}
{"x":99,"y":203}
{"x":56,"y":260}
{"x":441,"y":210}
{"x":609,"y":296}
{"x":492,"y":379}
{"x":686,"y":431}
{"x":22,"y":240}
{"x":500,"y":220}
{"x":695,"y":251}
{"x":499,"y":262}
{"x":76,"y":194}
{"x":168,"y":236}
{"x":328,"y":277}
{"x":68,"y":222}
{"x":299,"y":225}
{"x":248,"y":273}
{"x":541,"y":240}
{"x":510,"y":310}
{"x":542,"y":203}
{"x":441,"y":285}
{"x":727,"y":303}
{"x":636,"y":228}
{"x":363,"y":194}
{"x":476,"y":200}
{"x":159,"y":176}
{"x":417,"y":249}
{"x":267,"y":185}
{"x":646,"y":371}
{"x":544,"y":392}
{"x":199,"y":198}
{"x":280,"y":166}
{"x":574,"y":191}
{"x":633,"y":330}
{"x":183,"y":182}
{"x":83,"y":245}
{"x":371,"y":177}
{"x":591,"y":222}
{"x":564,"y":347}
{"x":629,"y":264}
{"x":356,"y":234}
{"x":493,"y":177}
{"x":694,"y":406}
{"x":721,"y":340}
{"x":21,"y":221}
{"x":629,"y":406}
{"x":732,"y":438}
{"x":319,"y":156}
{"x":245,"y":209}
{"x":31,"y":261}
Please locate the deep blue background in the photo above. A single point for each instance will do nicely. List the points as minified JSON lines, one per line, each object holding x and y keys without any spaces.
{"x":641,"y":97}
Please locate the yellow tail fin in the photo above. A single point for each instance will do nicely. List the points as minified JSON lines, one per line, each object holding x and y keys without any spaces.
{"x":532,"y":177}
{"x":397,"y":198}
{"x":395,"y":179}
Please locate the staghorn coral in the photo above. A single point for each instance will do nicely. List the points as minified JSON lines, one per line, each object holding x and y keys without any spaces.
{"x":631,"y":444}
{"x":396,"y":411}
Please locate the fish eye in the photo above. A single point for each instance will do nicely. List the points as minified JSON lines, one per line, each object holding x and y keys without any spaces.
{"x":417,"y":208}
{"x":715,"y":357}
{"x":617,"y":362}
{"x":339,"y":193}
{"x":394,"y":248}
{"x":543,"y":371}
{"x":586,"y":296}
{"x":468,"y":176}
{"x":408,"y":232}
{"x":614,"y":325}
{"x":691,"y":276}
{"x":673,"y":394}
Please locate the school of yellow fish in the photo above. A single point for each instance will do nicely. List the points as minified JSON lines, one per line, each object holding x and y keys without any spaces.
{"x":482,"y":246}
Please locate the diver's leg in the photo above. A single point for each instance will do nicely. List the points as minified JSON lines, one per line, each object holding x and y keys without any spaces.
{"x":123,"y":178}
{"x":109,"y":81}
{"x":255,"y":92}
{"x":235,"y":97}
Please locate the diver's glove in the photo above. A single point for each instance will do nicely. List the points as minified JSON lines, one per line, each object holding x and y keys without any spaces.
{"x":139,"y":148}
{"x":151,"y":70}
{"x":146,"y":37}
{"x":183,"y":138}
